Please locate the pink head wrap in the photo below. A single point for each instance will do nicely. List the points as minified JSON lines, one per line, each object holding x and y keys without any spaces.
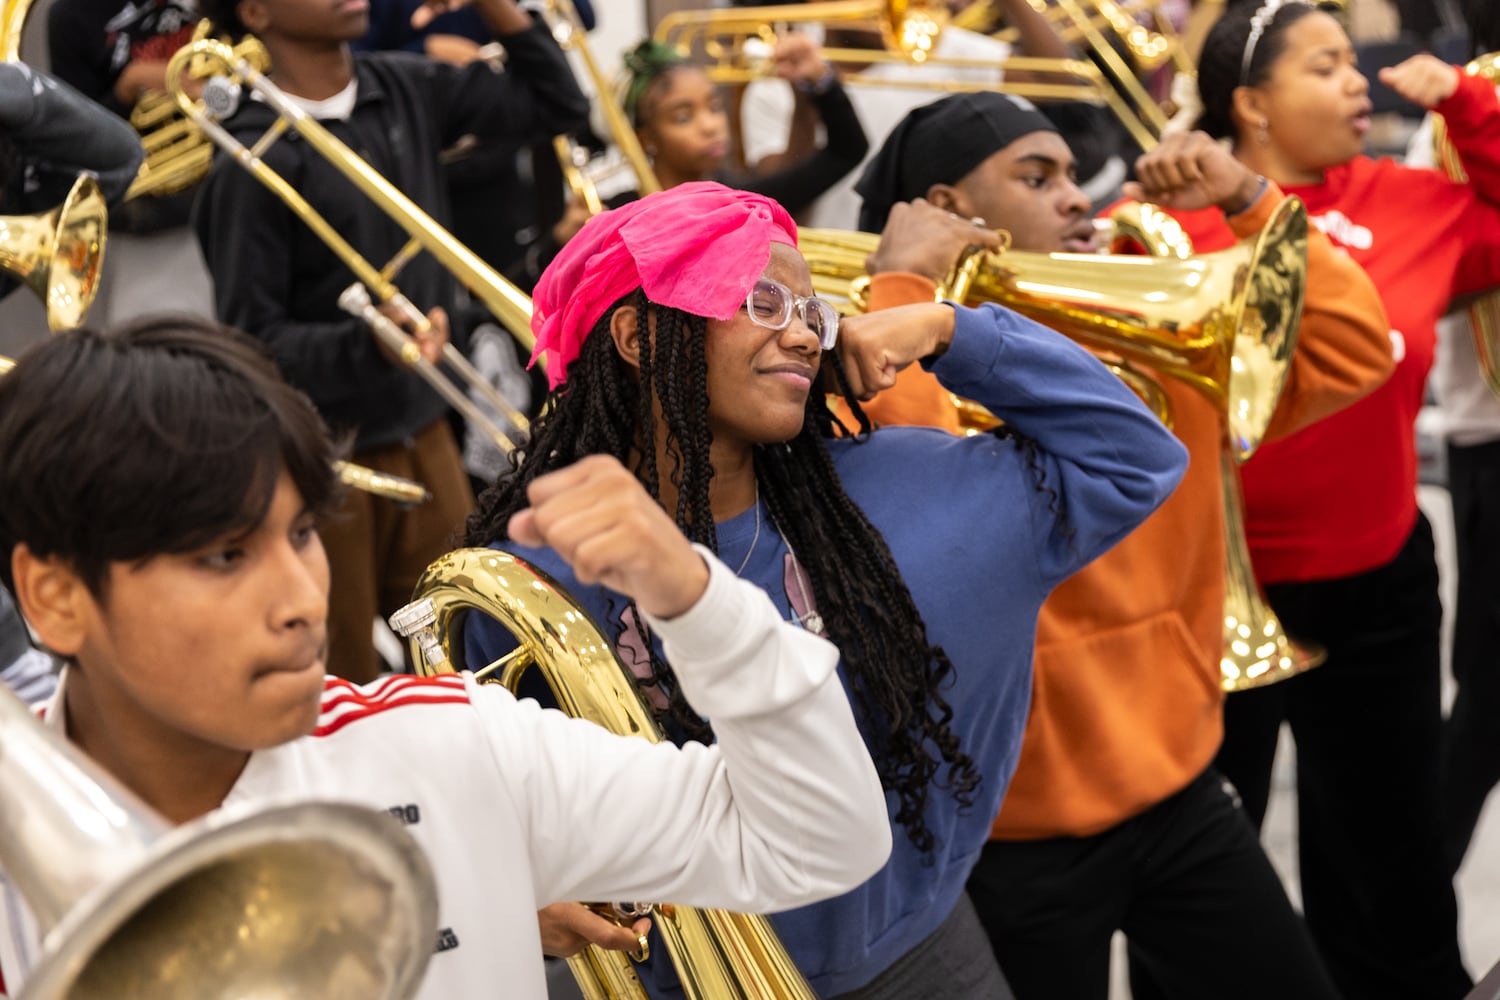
{"x":697,"y":247}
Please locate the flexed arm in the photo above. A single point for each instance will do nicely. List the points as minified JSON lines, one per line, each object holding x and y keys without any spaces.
{"x":1105,"y":458}
{"x":785,"y":809}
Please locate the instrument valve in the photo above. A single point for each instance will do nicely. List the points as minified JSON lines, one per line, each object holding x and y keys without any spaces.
{"x":221,"y":97}
{"x":418,"y":619}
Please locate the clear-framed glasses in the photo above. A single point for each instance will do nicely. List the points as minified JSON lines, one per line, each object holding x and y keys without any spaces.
{"x":770,"y":304}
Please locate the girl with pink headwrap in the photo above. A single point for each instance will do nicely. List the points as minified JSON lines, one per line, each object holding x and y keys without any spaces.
{"x":682,"y":340}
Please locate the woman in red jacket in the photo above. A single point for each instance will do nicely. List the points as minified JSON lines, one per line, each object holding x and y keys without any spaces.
{"x":1346,"y":557}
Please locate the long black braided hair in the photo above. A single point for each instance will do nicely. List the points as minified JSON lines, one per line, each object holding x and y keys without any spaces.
{"x":895,"y":674}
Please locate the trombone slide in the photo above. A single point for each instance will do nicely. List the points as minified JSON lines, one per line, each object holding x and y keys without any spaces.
{"x":356,"y":301}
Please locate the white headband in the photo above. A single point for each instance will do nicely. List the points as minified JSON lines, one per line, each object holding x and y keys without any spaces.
{"x":1259,"y":22}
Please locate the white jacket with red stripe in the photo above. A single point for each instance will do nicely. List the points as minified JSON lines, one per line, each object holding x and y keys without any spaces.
{"x":518,"y":807}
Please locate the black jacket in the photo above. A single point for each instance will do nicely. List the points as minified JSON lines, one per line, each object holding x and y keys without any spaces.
{"x":276,"y":280}
{"x":797,"y":185}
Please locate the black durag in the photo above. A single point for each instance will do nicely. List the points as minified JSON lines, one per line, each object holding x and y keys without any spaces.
{"x":940,"y":143}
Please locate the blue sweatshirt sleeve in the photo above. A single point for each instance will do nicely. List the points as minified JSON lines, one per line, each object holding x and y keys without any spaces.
{"x":1107,"y":459}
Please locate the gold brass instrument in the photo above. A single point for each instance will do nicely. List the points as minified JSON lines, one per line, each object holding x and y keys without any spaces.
{"x":1228,"y":333}
{"x":59,"y":254}
{"x":1150,"y":47}
{"x":911,"y":32}
{"x":1484,"y":310}
{"x":1257,"y":651}
{"x":228,"y":69}
{"x":566,"y":27}
{"x":718,"y":955}
{"x":178,"y":155}
{"x":397,"y":489}
{"x":13,"y":14}
{"x":1223,"y":323}
{"x":909,"y":27}
{"x":300,"y":901}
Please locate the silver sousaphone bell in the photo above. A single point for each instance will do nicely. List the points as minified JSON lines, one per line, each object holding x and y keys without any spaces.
{"x":309,"y":900}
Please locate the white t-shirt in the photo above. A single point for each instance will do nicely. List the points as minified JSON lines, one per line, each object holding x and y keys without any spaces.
{"x":766,"y":112}
{"x":1469,"y":411}
{"x":519,"y":806}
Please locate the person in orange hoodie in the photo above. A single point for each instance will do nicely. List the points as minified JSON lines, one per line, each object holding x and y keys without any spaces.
{"x":1116,"y":819}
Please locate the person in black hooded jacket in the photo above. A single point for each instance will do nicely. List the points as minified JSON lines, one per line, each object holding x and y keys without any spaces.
{"x":275,"y":279}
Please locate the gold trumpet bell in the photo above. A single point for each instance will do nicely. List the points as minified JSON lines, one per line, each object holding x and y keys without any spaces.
{"x":59,"y":254}
{"x":1257,"y":651}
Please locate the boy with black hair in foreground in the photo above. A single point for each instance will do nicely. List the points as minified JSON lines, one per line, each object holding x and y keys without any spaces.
{"x":161,"y":486}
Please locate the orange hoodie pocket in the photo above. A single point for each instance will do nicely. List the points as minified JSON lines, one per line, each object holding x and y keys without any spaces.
{"x":1120,"y":719}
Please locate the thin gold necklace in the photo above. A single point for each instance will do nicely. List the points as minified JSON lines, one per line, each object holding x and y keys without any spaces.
{"x":755,"y":537}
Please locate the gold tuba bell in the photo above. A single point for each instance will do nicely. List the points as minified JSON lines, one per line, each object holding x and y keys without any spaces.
{"x":299,"y":901}
{"x":718,"y":955}
{"x":1224,"y":323}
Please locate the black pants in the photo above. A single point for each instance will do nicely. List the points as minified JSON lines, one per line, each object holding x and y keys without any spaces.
{"x":1471,"y":736}
{"x":1376,"y":891}
{"x":1186,"y":880}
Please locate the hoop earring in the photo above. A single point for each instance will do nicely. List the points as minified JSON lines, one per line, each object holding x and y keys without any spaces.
{"x":1263,"y":133}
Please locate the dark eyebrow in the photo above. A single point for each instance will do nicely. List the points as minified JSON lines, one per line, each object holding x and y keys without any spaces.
{"x":1331,"y":51}
{"x":1049,"y":163}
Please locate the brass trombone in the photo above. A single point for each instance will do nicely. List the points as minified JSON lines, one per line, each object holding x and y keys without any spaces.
{"x":1151,"y":47}
{"x":1484,"y":310}
{"x":719,"y":955}
{"x":563,"y":21}
{"x":912,"y":31}
{"x":230,"y":68}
